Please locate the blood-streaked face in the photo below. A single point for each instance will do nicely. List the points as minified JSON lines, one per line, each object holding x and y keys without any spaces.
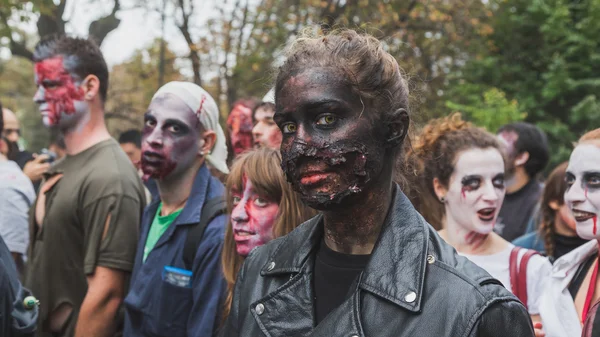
{"x":252,"y":218}
{"x":239,"y":124}
{"x":476,"y":190}
{"x":333,"y":148}
{"x":170,"y":138}
{"x":583,"y":189}
{"x":266,"y":133}
{"x":59,"y":96}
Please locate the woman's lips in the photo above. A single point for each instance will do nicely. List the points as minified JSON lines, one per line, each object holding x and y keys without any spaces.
{"x":314,"y":178}
{"x":581,"y":216}
{"x":242,"y":235}
{"x":152,"y":157}
{"x":487,"y":214}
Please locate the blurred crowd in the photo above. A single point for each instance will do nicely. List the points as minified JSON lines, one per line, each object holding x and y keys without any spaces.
{"x":310,"y":216}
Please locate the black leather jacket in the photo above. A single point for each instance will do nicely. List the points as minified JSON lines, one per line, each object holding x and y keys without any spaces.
{"x":414,"y":285}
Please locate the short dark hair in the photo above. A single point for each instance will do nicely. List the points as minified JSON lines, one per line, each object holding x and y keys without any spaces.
{"x":532,"y":140}
{"x":81,"y":57}
{"x":131,"y":136}
{"x":263,"y":105}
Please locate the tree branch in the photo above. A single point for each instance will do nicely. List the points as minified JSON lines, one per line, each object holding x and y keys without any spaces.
{"x":101,"y":27}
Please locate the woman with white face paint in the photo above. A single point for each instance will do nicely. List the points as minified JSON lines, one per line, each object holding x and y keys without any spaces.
{"x":570,"y":303}
{"x":461,"y":171}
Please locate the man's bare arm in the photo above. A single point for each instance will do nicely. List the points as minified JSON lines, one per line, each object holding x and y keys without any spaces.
{"x":106,"y":290}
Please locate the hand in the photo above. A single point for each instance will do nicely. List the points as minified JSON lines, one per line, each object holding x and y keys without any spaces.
{"x":37,"y":167}
{"x":537,"y":327}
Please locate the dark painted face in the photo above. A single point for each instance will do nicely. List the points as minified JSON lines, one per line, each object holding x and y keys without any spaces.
{"x":170,"y":138}
{"x":59,"y":97}
{"x":331,"y":148}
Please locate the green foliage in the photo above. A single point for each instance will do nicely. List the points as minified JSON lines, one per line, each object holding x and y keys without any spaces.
{"x":545,"y":54}
{"x":491,"y":110}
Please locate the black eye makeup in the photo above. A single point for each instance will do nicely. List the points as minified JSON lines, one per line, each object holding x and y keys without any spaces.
{"x":498,"y":181}
{"x":471,"y":183}
{"x":591,"y":180}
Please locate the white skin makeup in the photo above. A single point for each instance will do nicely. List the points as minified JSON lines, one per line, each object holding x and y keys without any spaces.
{"x":252,"y":218}
{"x":474,"y":196}
{"x":583,"y":189}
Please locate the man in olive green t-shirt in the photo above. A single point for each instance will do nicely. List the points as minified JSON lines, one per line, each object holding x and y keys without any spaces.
{"x":84,"y":224}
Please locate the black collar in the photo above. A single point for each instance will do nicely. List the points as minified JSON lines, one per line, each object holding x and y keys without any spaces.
{"x":396,"y":270}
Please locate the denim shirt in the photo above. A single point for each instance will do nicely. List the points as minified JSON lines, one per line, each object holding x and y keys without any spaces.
{"x":158,"y":308}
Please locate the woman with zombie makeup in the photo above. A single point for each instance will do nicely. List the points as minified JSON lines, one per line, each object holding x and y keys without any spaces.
{"x":369,"y":264}
{"x":570,"y":302}
{"x":262,"y":205}
{"x":557,"y":235}
{"x":463,"y":171}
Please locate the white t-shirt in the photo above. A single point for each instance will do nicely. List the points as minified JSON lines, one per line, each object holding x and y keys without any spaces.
{"x":538,"y":271}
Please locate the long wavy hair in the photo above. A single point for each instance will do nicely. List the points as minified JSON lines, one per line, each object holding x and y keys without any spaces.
{"x":263,"y":168}
{"x":554,"y":190}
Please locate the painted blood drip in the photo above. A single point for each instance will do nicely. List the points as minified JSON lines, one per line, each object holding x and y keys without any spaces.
{"x":595,"y":219}
{"x":61,"y":98}
{"x":463,"y":192}
{"x":199,"y":111}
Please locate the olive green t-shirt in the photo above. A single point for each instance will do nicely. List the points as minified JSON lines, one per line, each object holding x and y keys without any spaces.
{"x":92,"y":217}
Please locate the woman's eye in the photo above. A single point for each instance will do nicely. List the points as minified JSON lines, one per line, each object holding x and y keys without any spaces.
{"x":260,"y":202}
{"x":236,"y":200}
{"x":471,"y":185}
{"x":150,"y":122}
{"x":326,"y":120}
{"x":594,"y":181}
{"x":570,"y":180}
{"x":289,"y":128}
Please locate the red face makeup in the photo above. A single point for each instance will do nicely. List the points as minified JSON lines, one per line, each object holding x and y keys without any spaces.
{"x":266,"y":133}
{"x":57,"y":93}
{"x":239,"y":123}
{"x":252,"y":218}
{"x":170,"y":138}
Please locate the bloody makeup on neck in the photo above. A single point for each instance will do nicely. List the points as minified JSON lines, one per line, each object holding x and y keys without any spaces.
{"x":266,"y":133}
{"x":252,"y":218}
{"x":332,"y":149}
{"x":583,"y":189}
{"x":475,"y":192}
{"x":58,"y":94}
{"x":170,"y":138}
{"x":239,"y":124}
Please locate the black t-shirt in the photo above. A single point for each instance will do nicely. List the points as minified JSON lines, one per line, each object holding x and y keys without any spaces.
{"x":334,"y":274}
{"x":517,"y":210}
{"x":564,"y":244}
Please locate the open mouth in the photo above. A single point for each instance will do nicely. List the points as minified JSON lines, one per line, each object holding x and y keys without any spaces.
{"x":241,"y":234}
{"x":581,"y":216}
{"x":487,"y":214}
{"x":152,"y":157}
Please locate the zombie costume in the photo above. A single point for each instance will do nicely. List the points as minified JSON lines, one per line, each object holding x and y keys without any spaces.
{"x":155,"y":307}
{"x":74,"y":238}
{"x":411,"y":272}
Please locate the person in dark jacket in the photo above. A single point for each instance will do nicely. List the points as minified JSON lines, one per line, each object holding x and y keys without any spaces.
{"x":18,"y":309}
{"x":369,"y":265}
{"x":167,"y":296}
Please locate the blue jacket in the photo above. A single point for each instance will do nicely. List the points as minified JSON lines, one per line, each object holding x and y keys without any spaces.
{"x":157,"y":308}
{"x":532,"y":240}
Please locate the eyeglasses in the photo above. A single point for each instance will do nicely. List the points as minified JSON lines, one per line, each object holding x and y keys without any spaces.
{"x":8,"y":132}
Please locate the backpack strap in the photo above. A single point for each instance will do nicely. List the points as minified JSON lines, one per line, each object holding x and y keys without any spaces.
{"x":211,"y":209}
{"x":518,"y":273}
